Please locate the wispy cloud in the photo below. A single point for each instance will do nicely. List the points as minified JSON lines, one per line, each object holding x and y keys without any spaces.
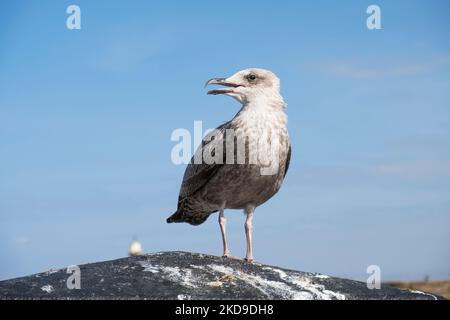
{"x":414,"y":169}
{"x":347,"y":69}
{"x":435,"y":143}
{"x":359,"y":70}
{"x":367,"y":174}
{"x":129,"y":50}
{"x":22,"y":240}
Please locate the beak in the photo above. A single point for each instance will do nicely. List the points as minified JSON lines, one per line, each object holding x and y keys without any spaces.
{"x":221,"y":82}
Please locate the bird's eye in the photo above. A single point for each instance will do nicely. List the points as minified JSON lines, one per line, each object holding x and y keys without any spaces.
{"x":251,"y":77}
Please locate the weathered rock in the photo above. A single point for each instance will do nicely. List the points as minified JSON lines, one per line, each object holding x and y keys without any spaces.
{"x":182,"y":275}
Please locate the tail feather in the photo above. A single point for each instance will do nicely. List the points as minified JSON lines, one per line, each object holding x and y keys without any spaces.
{"x":176,"y":217}
{"x":191,"y":218}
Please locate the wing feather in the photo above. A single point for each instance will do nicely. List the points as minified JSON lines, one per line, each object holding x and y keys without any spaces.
{"x":288,"y":161}
{"x":198,"y":174}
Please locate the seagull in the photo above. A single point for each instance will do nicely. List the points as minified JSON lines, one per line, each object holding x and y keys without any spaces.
{"x":242,"y":163}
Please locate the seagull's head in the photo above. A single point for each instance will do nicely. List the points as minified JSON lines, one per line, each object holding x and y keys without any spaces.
{"x":248,"y":85}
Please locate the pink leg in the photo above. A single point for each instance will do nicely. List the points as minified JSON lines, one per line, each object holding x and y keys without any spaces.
{"x":223,"y":230}
{"x":248,"y":233}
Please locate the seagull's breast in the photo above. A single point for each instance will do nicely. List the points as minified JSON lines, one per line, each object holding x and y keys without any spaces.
{"x":261,"y":176}
{"x":266,"y":134}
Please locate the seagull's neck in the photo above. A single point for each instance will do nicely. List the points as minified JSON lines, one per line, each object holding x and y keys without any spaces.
{"x":263,"y":123}
{"x":265,"y":106}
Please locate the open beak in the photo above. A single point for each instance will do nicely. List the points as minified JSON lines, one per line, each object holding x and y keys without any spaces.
{"x":222,"y":82}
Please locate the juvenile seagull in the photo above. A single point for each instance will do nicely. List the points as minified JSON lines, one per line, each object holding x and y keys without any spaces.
{"x":246,"y":172}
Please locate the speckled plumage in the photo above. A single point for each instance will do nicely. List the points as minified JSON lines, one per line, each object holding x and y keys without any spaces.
{"x":233,"y":183}
{"x":207,"y":187}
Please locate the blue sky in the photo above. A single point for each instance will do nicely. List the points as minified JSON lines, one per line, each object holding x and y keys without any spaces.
{"x":86,"y":117}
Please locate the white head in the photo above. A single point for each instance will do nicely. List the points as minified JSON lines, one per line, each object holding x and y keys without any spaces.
{"x":249,"y":85}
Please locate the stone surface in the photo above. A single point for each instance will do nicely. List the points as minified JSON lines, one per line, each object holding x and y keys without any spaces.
{"x":183,"y":275}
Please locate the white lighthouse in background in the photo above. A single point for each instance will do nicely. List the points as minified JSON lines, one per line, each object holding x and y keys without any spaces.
{"x":135,"y":248}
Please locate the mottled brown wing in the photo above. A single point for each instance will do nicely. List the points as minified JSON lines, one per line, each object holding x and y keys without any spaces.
{"x":198,"y":174}
{"x":288,"y":161}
